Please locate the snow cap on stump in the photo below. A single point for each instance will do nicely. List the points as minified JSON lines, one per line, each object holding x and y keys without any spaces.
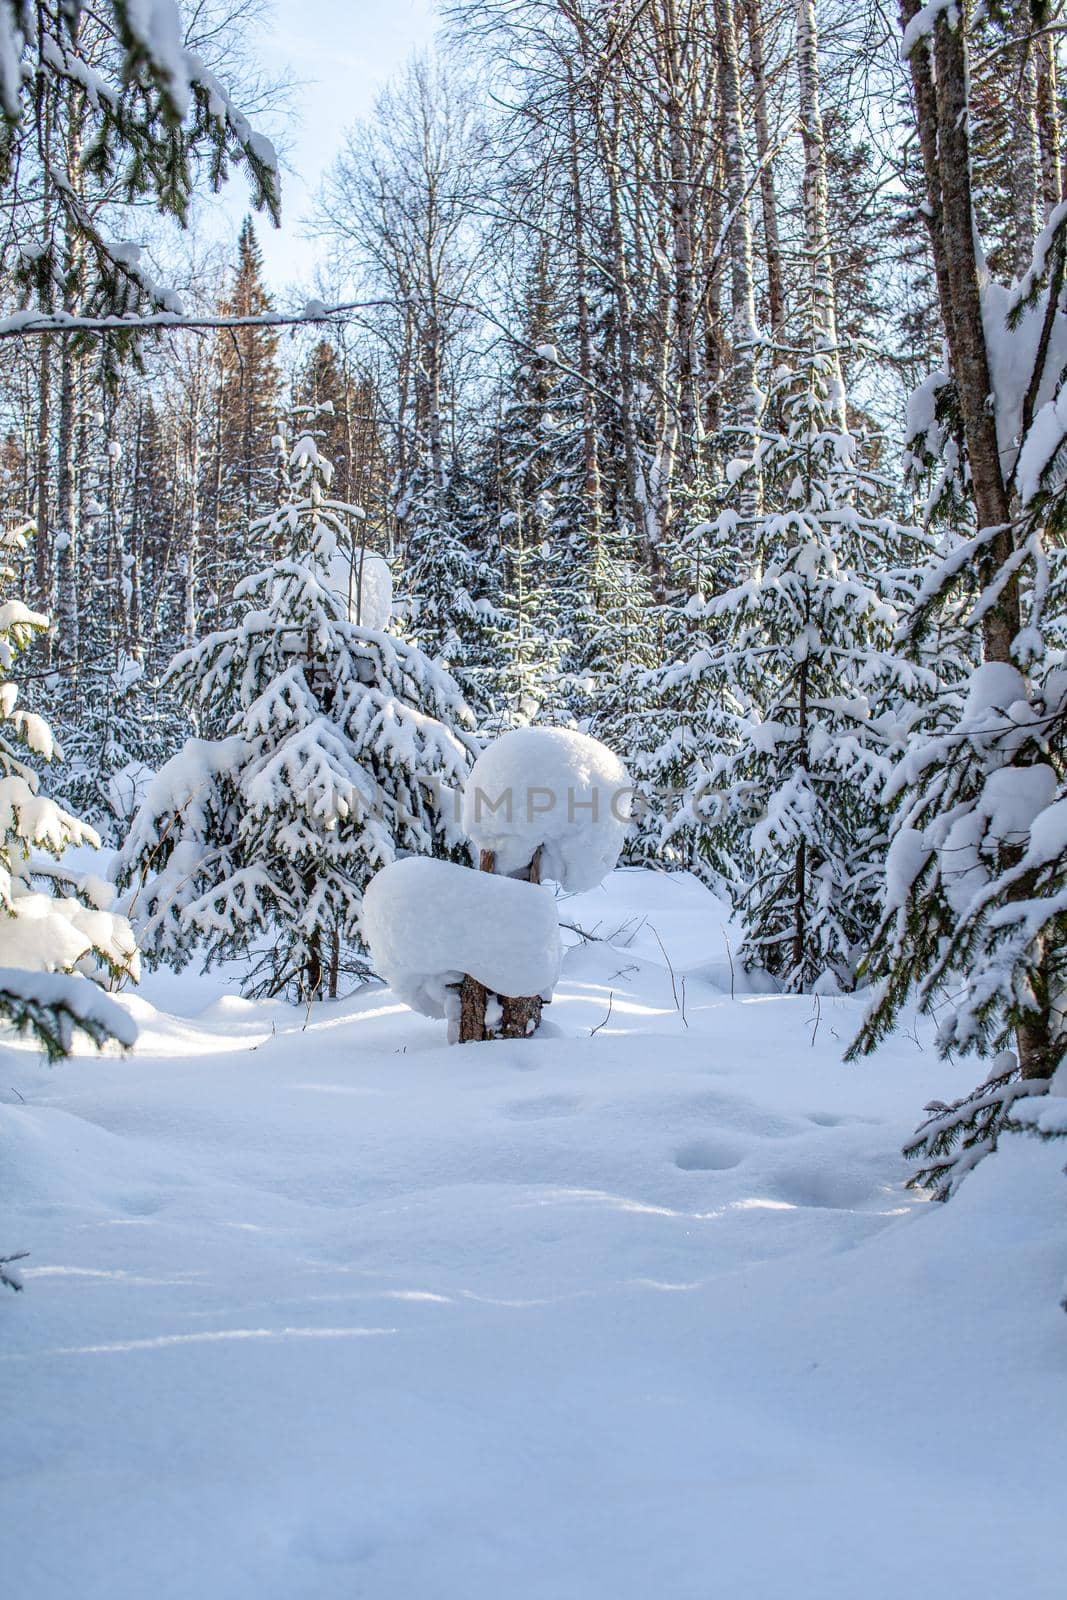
{"x":428,"y":923}
{"x":550,"y":788}
{"x":362,"y":579}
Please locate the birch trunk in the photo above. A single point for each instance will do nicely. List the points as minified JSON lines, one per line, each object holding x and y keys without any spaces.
{"x":1048,"y":123}
{"x":823,"y":312}
{"x":742,"y":294}
{"x":772,"y":248}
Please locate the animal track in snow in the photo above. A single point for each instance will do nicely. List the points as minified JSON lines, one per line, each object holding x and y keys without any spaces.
{"x":832,"y":1119}
{"x":828,"y":1191}
{"x":708,"y":1155}
{"x":545,"y":1105}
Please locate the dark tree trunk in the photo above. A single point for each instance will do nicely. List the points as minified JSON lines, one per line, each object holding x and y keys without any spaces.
{"x":472,"y":994}
{"x":966,"y":334}
{"x":941,"y":106}
{"x":335,"y":961}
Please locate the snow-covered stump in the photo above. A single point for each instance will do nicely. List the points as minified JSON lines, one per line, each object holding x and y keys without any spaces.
{"x":520,"y":1015}
{"x":541,"y":802}
{"x":439,"y":932}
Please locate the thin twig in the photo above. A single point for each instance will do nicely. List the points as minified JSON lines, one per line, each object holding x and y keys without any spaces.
{"x":670,"y":969}
{"x":607,"y":1018}
{"x":815,"y":1018}
{"x":730,"y":959}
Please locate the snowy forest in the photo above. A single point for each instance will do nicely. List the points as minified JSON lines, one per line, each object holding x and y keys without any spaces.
{"x":606,"y":620}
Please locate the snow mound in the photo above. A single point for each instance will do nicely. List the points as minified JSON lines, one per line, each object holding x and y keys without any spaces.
{"x":362,"y":578}
{"x":427,"y":923}
{"x":553,"y":788}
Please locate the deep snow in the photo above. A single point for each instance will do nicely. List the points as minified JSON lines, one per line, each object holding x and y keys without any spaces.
{"x":320,"y":1307}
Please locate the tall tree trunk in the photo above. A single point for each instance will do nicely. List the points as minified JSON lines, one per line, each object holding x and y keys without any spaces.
{"x":950,"y":137}
{"x":745,"y":332}
{"x":772,"y":248}
{"x":591,"y":489}
{"x":685,"y":135}
{"x":42,"y":551}
{"x":1048,"y":123}
{"x":941,"y":102}
{"x":1025,"y":147}
{"x":67,"y":510}
{"x":191,"y":569}
{"x":823,"y":311}
{"x":610,"y":132}
{"x":712,"y":364}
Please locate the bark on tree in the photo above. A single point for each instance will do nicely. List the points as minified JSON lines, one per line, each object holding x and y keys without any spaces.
{"x":591,"y":488}
{"x":823,"y":312}
{"x":772,"y":248}
{"x":473,"y":995}
{"x":1048,"y":123}
{"x":966,"y":333}
{"x":1025,"y":145}
{"x":745,"y":332}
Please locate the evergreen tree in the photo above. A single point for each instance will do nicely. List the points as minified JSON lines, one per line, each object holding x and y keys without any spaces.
{"x":795,"y":699}
{"x":111,"y":720}
{"x":55,"y":948}
{"x":799,"y":691}
{"x":241,"y":464}
{"x":451,"y":584}
{"x":330,"y":750}
{"x":345,"y":402}
{"x":140,"y":116}
{"x":974,"y":919}
{"x":530,"y":683}
{"x":619,"y":641}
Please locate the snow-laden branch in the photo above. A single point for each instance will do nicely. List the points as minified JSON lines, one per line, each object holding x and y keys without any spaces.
{"x":38,"y":322}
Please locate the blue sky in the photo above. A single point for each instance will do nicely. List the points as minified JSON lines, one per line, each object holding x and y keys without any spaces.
{"x":341,"y":51}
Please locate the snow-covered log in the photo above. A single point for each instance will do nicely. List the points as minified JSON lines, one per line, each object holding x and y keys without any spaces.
{"x":428,"y":924}
{"x":553,"y":790}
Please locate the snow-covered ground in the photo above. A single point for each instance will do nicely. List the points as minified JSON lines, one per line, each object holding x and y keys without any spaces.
{"x":318,"y":1307}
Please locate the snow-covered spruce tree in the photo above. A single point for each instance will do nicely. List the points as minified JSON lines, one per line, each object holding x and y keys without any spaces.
{"x":547,"y":533}
{"x":120,"y":734}
{"x":530,"y":681}
{"x":799,"y":695}
{"x":55,"y":948}
{"x":617,"y":641}
{"x":666,"y":731}
{"x":330,"y":750}
{"x":451,"y":588}
{"x":976,"y":909}
{"x":796,"y":684}
{"x":114,"y":724}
